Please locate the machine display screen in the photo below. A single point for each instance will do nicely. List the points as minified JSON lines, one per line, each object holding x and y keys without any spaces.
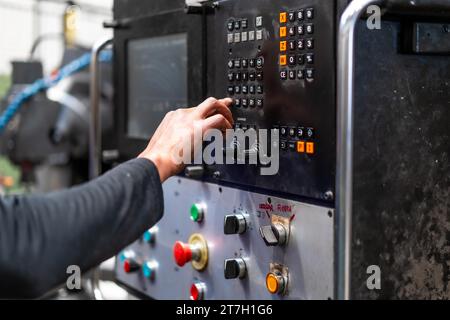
{"x":157,"y":81}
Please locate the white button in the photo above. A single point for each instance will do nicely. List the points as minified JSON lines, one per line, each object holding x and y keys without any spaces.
{"x":244,"y":36}
{"x":237,"y":37}
{"x":251,"y":35}
{"x":230,"y":38}
{"x":259,"y":35}
{"x":259,"y":21}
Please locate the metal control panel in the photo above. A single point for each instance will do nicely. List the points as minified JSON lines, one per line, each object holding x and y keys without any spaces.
{"x":221,"y":243}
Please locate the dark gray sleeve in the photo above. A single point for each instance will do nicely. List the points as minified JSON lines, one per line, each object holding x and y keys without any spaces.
{"x":40,"y":236}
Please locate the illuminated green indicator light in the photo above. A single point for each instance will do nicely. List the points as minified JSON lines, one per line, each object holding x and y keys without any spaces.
{"x":196,"y":213}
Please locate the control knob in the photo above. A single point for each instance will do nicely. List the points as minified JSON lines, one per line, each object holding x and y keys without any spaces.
{"x":235,"y":268}
{"x":274,"y":235}
{"x":234,"y":224}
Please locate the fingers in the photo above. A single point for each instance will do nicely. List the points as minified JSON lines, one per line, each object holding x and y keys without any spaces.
{"x":212,"y":106}
{"x":217,"y":121}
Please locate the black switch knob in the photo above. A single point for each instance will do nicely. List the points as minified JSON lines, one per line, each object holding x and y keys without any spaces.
{"x":274,"y":235}
{"x":195,"y":172}
{"x":234,"y":224}
{"x":235,"y":268}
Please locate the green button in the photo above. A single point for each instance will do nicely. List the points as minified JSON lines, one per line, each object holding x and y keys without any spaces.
{"x":196,"y":213}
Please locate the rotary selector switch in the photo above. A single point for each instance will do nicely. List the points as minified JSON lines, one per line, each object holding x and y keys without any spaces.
{"x":274,"y":235}
{"x":235,"y":268}
{"x":235,"y":224}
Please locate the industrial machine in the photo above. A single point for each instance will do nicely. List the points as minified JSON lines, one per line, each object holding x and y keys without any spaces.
{"x":355,"y":190}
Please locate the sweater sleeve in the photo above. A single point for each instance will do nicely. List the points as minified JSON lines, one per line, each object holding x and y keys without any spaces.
{"x":42,"y":235}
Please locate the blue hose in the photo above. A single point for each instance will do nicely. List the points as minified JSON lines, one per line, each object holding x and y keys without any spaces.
{"x":46,"y":83}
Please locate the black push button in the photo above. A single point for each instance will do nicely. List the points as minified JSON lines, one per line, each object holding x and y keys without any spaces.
{"x":237,"y":103}
{"x":237,"y":89}
{"x":301,"y":59}
{"x":283,"y":145}
{"x":259,"y":76}
{"x":291,"y":16}
{"x":283,"y":131}
{"x":292,"y":45}
{"x":230,"y":90}
{"x":251,"y":89}
{"x":310,"y":133}
{"x":310,"y":13}
{"x":230,"y":25}
{"x":244,"y":24}
{"x":283,"y":75}
{"x":291,"y":74}
{"x":310,"y":43}
{"x":252,"y":76}
{"x":244,"y":76}
{"x":310,"y":58}
{"x":237,"y":25}
{"x":300,"y":14}
{"x":301,"y":74}
{"x":300,"y":44}
{"x":237,"y":76}
{"x":230,"y":64}
{"x":260,"y":62}
{"x":260,"y":89}
{"x":291,"y":31}
{"x":252,"y":63}
{"x":251,"y":103}
{"x":230,"y":76}
{"x":310,"y":74}
{"x":301,"y":132}
{"x":310,"y":28}
{"x":244,"y":90}
{"x":244,"y":103}
{"x":237,"y":63}
{"x":292,"y":146}
{"x":292,"y":132}
{"x":244,"y":63}
{"x":259,"y":103}
{"x":292,"y":60}
{"x":300,"y":30}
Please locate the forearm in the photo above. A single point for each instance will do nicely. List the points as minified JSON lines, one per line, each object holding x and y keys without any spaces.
{"x":40,"y":236}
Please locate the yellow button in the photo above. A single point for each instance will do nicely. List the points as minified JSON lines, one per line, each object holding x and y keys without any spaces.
{"x":272,"y":283}
{"x":301,"y":146}
{"x":310,"y":147}
{"x":283,"y":17}
{"x":283,"y":60}
{"x":282,"y":32}
{"x":283,"y":45}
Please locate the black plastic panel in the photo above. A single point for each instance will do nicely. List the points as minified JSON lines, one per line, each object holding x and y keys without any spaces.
{"x":300,"y":103}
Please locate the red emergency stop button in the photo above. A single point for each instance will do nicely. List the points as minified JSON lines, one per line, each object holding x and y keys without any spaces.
{"x":182,"y":253}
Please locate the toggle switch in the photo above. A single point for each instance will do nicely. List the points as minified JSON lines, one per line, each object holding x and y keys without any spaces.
{"x":235,"y":268}
{"x":234,"y":224}
{"x":274,"y":235}
{"x":195,"y":172}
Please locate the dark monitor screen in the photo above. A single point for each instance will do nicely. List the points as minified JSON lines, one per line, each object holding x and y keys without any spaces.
{"x":157,"y":81}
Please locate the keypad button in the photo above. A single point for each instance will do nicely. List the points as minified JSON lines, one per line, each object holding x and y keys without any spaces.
{"x":310,"y":74}
{"x":292,"y":60}
{"x":301,"y":132}
{"x":301,"y":30}
{"x":252,"y":63}
{"x":291,"y":31}
{"x":259,"y":103}
{"x":283,"y":17}
{"x":300,"y":44}
{"x":283,"y":46}
{"x":251,"y":103}
{"x":310,"y":43}
{"x":230,"y":76}
{"x":291,"y":16}
{"x":244,"y":36}
{"x":230,"y":64}
{"x":283,"y":145}
{"x":259,"y":89}
{"x":237,"y":24}
{"x":310,"y":28}
{"x":230,"y":90}
{"x":244,"y":103}
{"x":283,"y":131}
{"x":292,"y":45}
{"x":291,"y":74}
{"x":259,"y":35}
{"x":259,"y":76}
{"x":300,"y":59}
{"x":300,"y":14}
{"x":230,"y":38}
{"x":309,"y":13}
{"x":310,"y":133}
{"x":252,"y":76}
{"x":310,"y":148}
{"x":230,"y":25}
{"x":283,"y":60}
{"x":237,"y":103}
{"x":237,"y":63}
{"x":244,"y":63}
{"x":237,"y":89}
{"x":310,"y":58}
{"x":251,"y":35}
{"x":259,"y":62}
{"x":244,"y":76}
{"x":301,"y":74}
{"x":259,"y":22}
{"x":244,"y":90}
{"x":283,"y":75}
{"x":237,"y":37}
{"x":237,"y":76}
{"x":251,"y":89}
{"x":292,"y":146}
{"x":283,"y":32}
{"x":244,"y":24}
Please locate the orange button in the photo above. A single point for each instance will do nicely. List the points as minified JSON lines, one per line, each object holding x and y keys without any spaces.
{"x":272,"y":283}
{"x":282,"y":32}
{"x":283,"y":60}
{"x":283,"y":45}
{"x":310,"y":147}
{"x":283,"y":17}
{"x":301,"y":146}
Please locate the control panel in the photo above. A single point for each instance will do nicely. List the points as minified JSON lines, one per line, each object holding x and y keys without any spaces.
{"x":276,"y":59}
{"x":222,"y":243}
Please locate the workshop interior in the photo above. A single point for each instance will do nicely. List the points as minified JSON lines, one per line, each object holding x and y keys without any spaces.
{"x":357,"y":93}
